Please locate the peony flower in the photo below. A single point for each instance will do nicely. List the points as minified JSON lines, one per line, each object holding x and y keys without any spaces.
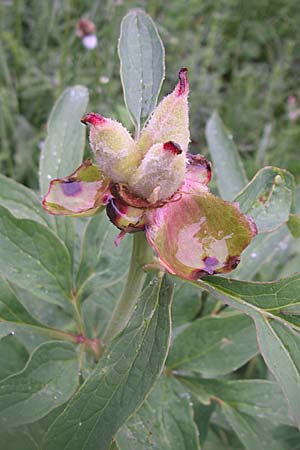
{"x":154,"y":185}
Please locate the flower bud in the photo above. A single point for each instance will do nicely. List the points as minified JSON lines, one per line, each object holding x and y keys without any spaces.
{"x":160,"y":173}
{"x":170,"y":120}
{"x":115,"y":151}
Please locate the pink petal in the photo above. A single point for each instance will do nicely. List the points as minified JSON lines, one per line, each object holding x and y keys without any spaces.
{"x":198,"y":234}
{"x":83,"y":193}
{"x":126,"y":218}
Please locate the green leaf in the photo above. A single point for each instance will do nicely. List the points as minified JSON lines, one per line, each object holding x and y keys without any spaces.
{"x":48,"y":380}
{"x":10,"y":308}
{"x":15,"y":319}
{"x":99,"y":255}
{"x":122,"y":379}
{"x":279,"y":346}
{"x":268,"y":198}
{"x":231,"y":177}
{"x":164,"y":422}
{"x":186,"y":304}
{"x":272,"y":296}
{"x":202,"y":416}
{"x":264,"y":249}
{"x":294,"y":225}
{"x":278,"y":341}
{"x":64,"y":145}
{"x":254,"y":433}
{"x":214,"y":346}
{"x":142,"y":60}
{"x":243,"y":402}
{"x":97,"y":303}
{"x":46,"y":313}
{"x":21,"y":201}
{"x":257,"y":398}
{"x":220,"y":439}
{"x":13,"y":356}
{"x":33,"y":258}
{"x":30,"y":436}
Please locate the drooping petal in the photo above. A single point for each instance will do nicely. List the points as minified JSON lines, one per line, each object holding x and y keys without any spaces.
{"x":198,"y":172}
{"x":160,"y":174}
{"x":126,"y":218}
{"x":83,"y":193}
{"x":170,"y":120}
{"x":198,"y":234}
{"x":115,"y":150}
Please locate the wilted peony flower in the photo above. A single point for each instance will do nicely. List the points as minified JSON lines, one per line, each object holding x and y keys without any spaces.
{"x":154,"y":185}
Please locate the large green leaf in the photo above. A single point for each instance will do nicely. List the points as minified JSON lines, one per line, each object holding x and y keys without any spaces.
{"x":142,"y":64}
{"x":122,"y":379}
{"x":279,"y":346}
{"x":64,"y":145}
{"x":21,"y":201}
{"x":254,"y":433}
{"x":278,"y":340}
{"x":231,"y":177}
{"x":264,"y":249}
{"x":164,"y":422}
{"x":11,"y":310}
{"x":243,"y":402}
{"x":15,"y":319}
{"x":186,"y":304}
{"x":214,"y":345}
{"x":31,"y":256}
{"x":268,"y":198}
{"x":99,"y":255}
{"x":98,"y":300}
{"x":29,"y":436}
{"x":13,"y":356}
{"x":257,"y":398}
{"x":272,"y":296}
{"x":48,"y":380}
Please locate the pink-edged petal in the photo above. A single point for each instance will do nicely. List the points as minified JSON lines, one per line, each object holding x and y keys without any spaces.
{"x":127,"y":218}
{"x":83,"y":193}
{"x":170,"y":119}
{"x":198,"y":172}
{"x":198,"y":234}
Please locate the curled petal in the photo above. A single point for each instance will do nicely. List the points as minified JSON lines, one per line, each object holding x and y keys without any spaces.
{"x":198,"y":172}
{"x":126,"y":218}
{"x":83,"y":193}
{"x":170,"y":120}
{"x":160,"y":174}
{"x":199,"y":234}
{"x":115,"y":150}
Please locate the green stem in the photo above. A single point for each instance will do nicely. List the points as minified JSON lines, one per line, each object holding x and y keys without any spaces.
{"x":141,"y":255}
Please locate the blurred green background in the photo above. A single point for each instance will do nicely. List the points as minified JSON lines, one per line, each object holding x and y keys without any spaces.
{"x":243,"y":59}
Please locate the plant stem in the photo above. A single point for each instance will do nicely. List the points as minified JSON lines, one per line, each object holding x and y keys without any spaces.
{"x":141,"y":255}
{"x":76,"y":306}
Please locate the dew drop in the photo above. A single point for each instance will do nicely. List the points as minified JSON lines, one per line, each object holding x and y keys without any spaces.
{"x":49,"y":177}
{"x":253,"y":255}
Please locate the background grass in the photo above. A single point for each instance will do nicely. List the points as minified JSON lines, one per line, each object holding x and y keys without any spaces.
{"x":243,"y":59}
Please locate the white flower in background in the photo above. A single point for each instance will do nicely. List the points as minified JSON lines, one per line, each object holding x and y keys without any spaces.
{"x":86,"y":30}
